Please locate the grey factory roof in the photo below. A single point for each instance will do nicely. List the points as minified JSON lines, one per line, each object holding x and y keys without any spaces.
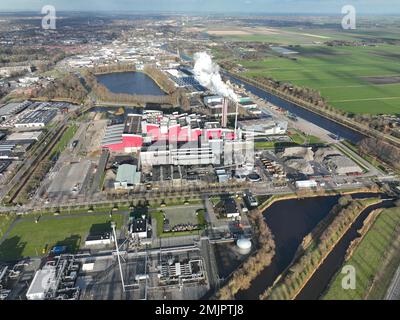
{"x":113,"y":134}
{"x":27,"y":135}
{"x":4,"y":164}
{"x":127,"y":173}
{"x":13,"y":108}
{"x":38,"y":116}
{"x":133,"y":124}
{"x":7,"y":146}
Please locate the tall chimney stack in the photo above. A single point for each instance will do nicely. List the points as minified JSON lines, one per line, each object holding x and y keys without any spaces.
{"x":224,"y":121}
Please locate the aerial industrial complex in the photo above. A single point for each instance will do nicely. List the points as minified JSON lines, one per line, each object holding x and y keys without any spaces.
{"x":154,"y":184}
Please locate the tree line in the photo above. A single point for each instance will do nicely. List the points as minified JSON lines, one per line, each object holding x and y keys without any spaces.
{"x":381,"y":150}
{"x":241,"y":279}
{"x":175,"y":96}
{"x":317,"y":246}
{"x":118,"y":67}
{"x":69,"y":87}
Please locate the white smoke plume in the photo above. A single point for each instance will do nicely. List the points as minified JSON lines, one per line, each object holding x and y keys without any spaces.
{"x":207,"y":73}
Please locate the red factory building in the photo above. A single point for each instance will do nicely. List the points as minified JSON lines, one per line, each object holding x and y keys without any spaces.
{"x":139,"y":130}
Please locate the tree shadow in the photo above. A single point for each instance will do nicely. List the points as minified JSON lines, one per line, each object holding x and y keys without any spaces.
{"x":138,"y":212}
{"x":11,"y":249}
{"x":72,"y":243}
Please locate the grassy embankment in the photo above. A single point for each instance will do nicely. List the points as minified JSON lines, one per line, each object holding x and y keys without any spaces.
{"x":375,"y":259}
{"x":317,"y":246}
{"x":64,"y":141}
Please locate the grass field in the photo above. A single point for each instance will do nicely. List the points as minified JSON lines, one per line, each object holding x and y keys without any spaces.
{"x":297,"y":137}
{"x":65,"y":140}
{"x":5,"y":222}
{"x":368,"y":258}
{"x":354,"y":79}
{"x":176,"y":219}
{"x":30,"y":239}
{"x":293,"y":35}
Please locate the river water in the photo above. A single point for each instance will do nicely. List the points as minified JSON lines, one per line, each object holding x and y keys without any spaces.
{"x":331,"y":126}
{"x":290,"y":221}
{"x":320,"y":280}
{"x":130,"y":83}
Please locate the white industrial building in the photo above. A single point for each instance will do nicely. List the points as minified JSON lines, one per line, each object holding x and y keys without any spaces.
{"x":25,"y":136}
{"x":212,"y":152}
{"x":306,"y":184}
{"x":213,"y":100}
{"x":265,"y":127}
{"x":99,"y":240}
{"x":42,"y":283}
{"x":138,"y":228}
{"x":187,"y":154}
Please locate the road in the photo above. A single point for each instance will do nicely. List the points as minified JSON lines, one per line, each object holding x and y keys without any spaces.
{"x":393,"y":292}
{"x":30,"y":161}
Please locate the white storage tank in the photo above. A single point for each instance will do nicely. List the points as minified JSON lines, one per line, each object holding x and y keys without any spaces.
{"x":244,"y":245}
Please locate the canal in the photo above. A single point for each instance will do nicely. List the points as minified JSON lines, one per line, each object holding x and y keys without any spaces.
{"x":329,"y":125}
{"x":320,"y":280}
{"x":290,"y":221}
{"x":130,"y":83}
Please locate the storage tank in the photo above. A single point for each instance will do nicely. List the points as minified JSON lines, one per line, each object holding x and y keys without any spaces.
{"x":244,"y":245}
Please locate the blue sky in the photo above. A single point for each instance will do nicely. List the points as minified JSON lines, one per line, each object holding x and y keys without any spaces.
{"x":220,"y":6}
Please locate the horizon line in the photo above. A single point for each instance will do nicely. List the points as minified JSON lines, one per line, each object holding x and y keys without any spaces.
{"x":189,"y":12}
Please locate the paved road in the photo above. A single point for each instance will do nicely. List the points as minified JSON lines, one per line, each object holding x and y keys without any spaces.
{"x":31,"y":160}
{"x":393,"y":292}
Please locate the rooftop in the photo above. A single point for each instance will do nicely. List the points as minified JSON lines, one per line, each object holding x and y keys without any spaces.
{"x":230,"y":206}
{"x":43,"y":281}
{"x":139,"y":225}
{"x":127,"y":173}
{"x":133,"y":124}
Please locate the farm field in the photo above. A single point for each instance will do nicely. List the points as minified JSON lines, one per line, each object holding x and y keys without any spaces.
{"x":27,"y":238}
{"x":299,"y":36}
{"x":354,"y":79}
{"x":368,"y":260}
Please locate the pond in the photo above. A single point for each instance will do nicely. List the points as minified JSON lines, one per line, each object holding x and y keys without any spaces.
{"x":130,"y":83}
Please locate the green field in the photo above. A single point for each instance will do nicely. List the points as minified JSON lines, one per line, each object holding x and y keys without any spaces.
{"x":297,"y":137}
{"x":368,"y":260}
{"x":343,"y":75}
{"x":176,"y":219}
{"x":28,"y":238}
{"x":5,"y":222}
{"x":65,"y":139}
{"x":297,"y":36}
